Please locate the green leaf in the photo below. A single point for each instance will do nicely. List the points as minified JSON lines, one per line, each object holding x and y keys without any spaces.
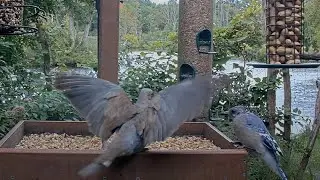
{"x":257,"y":80}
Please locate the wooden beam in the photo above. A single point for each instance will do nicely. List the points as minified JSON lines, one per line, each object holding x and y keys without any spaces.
{"x":108,"y":39}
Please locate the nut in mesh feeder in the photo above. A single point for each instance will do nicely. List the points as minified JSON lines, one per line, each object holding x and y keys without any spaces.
{"x":11,"y":15}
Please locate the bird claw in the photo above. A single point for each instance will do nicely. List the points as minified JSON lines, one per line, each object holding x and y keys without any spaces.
{"x":144,"y":149}
{"x":238,"y":144}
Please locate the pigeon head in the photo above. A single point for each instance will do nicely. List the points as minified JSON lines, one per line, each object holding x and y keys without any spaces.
{"x":146,"y":94}
{"x":235,"y":111}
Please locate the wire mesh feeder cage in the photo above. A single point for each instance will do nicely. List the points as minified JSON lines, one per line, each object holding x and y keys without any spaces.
{"x":12,"y":17}
{"x":284,"y":35}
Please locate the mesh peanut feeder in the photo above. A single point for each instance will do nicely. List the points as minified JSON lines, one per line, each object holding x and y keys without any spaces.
{"x":284,"y":31}
{"x":12,"y":18}
{"x":11,"y":14}
{"x":284,"y":35}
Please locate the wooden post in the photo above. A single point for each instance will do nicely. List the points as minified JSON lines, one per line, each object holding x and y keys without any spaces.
{"x":271,"y":102}
{"x":194,"y":17}
{"x":108,"y":39}
{"x":287,"y":105}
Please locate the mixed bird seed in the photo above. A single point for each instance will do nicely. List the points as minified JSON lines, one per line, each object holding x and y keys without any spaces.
{"x":79,"y":142}
{"x":184,"y":143}
{"x":59,"y":141}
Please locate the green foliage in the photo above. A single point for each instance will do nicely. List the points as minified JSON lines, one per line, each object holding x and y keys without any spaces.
{"x":221,"y":44}
{"x":13,"y":48}
{"x":156,"y":41}
{"x":243,"y":37}
{"x":50,"y":106}
{"x":312,"y":25}
{"x":148,"y":72}
{"x":145,"y":25}
{"x":64,"y":50}
{"x":245,"y":90}
{"x":23,"y":97}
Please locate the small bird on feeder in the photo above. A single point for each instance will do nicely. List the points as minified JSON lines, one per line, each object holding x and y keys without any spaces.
{"x":127,"y":128}
{"x":252,"y":133}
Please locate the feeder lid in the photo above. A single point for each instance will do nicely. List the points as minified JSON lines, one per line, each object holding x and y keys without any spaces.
{"x":264,"y":65}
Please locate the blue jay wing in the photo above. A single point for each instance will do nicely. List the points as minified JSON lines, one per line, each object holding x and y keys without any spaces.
{"x":181,"y":102}
{"x":256,"y":123}
{"x":270,"y":143}
{"x":103,"y":104}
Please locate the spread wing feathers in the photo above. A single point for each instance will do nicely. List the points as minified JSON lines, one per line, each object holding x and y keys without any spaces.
{"x":181,"y":102}
{"x":103,"y":104}
{"x":270,"y":143}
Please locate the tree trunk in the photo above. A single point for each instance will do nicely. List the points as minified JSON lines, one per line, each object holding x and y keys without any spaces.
{"x":87,"y":30}
{"x":312,"y":139}
{"x":287,"y":105}
{"x":46,"y":54}
{"x":72,"y":30}
{"x":271,"y":104}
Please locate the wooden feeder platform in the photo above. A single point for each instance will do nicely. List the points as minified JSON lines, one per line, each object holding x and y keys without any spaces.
{"x":52,"y":164}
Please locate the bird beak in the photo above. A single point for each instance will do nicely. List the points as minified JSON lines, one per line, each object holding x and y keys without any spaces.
{"x":266,"y":123}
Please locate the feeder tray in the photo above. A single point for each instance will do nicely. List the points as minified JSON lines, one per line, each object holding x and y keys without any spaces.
{"x":6,"y":29}
{"x":229,"y":162}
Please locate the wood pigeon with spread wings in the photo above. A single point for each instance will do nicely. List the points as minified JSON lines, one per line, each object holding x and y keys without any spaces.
{"x":126,"y":128}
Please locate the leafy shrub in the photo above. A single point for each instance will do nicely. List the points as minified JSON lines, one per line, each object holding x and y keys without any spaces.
{"x":244,"y":90}
{"x":148,"y":72}
{"x":24,"y":97}
{"x":50,"y":106}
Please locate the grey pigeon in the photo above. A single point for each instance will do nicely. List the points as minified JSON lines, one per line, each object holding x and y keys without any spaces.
{"x":252,"y":132}
{"x":126,"y":128}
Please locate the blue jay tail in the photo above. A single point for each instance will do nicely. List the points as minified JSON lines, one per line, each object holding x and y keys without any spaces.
{"x":91,"y":169}
{"x":273,"y":163}
{"x":282,"y":174}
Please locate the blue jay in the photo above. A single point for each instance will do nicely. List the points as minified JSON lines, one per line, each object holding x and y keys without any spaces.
{"x":252,"y":133}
